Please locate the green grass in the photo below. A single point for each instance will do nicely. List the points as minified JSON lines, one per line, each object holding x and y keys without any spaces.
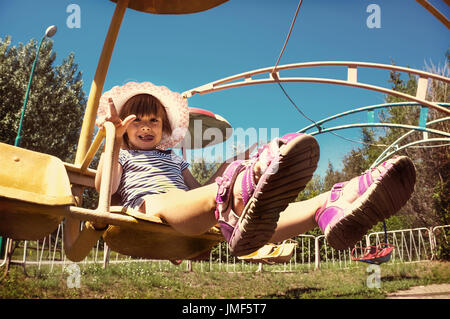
{"x":146,"y":280}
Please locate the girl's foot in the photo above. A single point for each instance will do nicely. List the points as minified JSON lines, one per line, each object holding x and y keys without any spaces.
{"x":353,"y":207}
{"x":248,"y":211}
{"x":238,"y":201}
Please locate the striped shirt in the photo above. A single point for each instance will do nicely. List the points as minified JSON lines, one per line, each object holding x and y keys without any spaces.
{"x":149,"y":172}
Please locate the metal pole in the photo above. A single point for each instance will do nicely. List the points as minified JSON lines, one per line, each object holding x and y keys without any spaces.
{"x":317,"y":253}
{"x":18,"y":137}
{"x":49,"y":32}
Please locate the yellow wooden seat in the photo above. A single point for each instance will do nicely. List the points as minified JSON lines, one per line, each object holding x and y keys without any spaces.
{"x":34,"y":193}
{"x":272,"y":253}
{"x":158,"y":240}
{"x":260,"y":254}
{"x":283,"y":253}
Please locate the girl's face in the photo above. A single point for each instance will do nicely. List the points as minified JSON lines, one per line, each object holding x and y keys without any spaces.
{"x":145,"y":132}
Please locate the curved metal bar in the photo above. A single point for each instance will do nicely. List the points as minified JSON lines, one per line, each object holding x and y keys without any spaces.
{"x":411,"y":127}
{"x":332,"y":81}
{"x":206,"y":88}
{"x":428,"y":140}
{"x":246,"y":79}
{"x":365,"y":108}
{"x":403,"y":137}
{"x":431,"y":146}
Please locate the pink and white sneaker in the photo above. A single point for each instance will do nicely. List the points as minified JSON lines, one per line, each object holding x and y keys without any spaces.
{"x":354,"y":207}
{"x":287,"y":164}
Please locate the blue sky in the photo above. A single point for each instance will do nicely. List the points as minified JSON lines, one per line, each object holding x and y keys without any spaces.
{"x":186,"y":51}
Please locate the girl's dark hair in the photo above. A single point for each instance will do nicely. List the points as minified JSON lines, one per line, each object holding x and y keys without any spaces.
{"x":145,"y":105}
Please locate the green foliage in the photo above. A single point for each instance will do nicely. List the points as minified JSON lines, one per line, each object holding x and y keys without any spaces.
{"x":56,"y":102}
{"x":441,"y":200}
{"x":443,"y":245}
{"x":394,"y":222}
{"x":313,"y":188}
{"x":202,"y":170}
{"x":331,"y":177}
{"x":440,"y":196}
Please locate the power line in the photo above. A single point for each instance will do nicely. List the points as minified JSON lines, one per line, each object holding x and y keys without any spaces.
{"x":290,"y":99}
{"x":288,"y":36}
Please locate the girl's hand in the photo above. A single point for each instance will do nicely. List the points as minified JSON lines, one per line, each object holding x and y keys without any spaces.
{"x":113,"y":117}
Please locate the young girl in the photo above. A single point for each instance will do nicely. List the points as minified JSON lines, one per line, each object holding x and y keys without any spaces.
{"x":250,"y":199}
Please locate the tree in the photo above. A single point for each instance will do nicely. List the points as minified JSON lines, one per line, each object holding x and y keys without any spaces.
{"x":56,"y":102}
{"x":331,"y":177}
{"x":314,"y":188}
{"x":202,"y":171}
{"x":431,"y":163}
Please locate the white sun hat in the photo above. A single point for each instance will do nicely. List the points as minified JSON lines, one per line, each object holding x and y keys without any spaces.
{"x":176,"y":107}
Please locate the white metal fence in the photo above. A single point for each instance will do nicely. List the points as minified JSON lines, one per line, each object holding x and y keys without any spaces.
{"x":311,"y":252}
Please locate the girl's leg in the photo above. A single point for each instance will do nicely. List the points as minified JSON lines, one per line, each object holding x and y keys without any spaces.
{"x":188,"y":212}
{"x":353,"y":207}
{"x":192,"y":212}
{"x":298,"y":218}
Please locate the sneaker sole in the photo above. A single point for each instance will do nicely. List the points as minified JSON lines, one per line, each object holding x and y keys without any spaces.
{"x":380,"y":201}
{"x":297,"y":163}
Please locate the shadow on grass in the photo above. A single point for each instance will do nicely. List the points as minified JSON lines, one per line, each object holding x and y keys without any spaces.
{"x":398,"y":277}
{"x":293,"y":293}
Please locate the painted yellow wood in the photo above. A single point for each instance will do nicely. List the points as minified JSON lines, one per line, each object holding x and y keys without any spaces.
{"x":35,"y":193}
